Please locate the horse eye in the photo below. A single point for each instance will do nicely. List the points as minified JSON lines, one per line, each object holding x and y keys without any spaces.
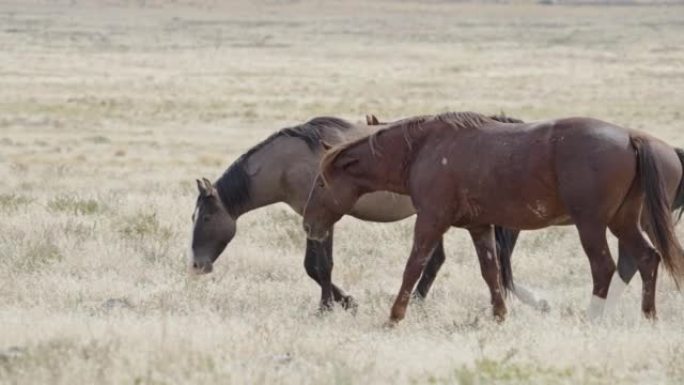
{"x":206,"y":218}
{"x":321,"y":184}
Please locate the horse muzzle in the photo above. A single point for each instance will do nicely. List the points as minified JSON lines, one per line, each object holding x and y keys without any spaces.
{"x":201,"y":267}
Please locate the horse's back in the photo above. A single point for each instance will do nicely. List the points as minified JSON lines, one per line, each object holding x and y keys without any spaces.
{"x":590,"y":159}
{"x":547,"y":170}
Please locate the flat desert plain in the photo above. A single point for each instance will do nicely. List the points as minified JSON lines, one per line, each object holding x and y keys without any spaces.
{"x":109,"y":110}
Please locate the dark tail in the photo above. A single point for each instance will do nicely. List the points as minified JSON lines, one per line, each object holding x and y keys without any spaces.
{"x":505,"y":242}
{"x":679,"y":198}
{"x":657,"y":208}
{"x":506,"y":238}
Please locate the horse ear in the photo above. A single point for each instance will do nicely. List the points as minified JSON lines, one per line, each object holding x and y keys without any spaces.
{"x":205,"y":187}
{"x":372,"y":120}
{"x":200,"y":187}
{"x":326,"y":146}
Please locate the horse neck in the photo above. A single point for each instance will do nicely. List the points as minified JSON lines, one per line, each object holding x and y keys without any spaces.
{"x":258,"y":189}
{"x":261,"y":194}
{"x":388,"y":151}
{"x":284,"y":170}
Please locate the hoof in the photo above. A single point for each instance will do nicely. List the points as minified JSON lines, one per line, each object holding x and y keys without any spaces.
{"x":325,"y":308}
{"x":349,"y":303}
{"x":390,"y":324}
{"x":418,"y":297}
{"x":499,"y":315}
{"x":651,"y":316}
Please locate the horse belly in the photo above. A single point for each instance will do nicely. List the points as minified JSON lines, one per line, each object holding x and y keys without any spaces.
{"x":539,"y":214}
{"x":530,"y":215}
{"x":527,"y":201}
{"x":383,"y":207}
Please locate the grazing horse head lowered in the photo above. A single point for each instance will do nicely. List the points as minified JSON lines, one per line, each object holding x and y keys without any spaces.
{"x":213,"y":228}
{"x":278,"y":169}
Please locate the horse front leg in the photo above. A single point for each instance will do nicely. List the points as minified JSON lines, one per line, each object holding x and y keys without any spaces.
{"x":427,"y":233}
{"x":318,"y":262}
{"x":485,"y":245}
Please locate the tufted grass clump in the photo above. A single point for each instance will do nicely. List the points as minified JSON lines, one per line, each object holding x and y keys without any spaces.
{"x":492,"y":371}
{"x":147,"y":236}
{"x":144,"y":225}
{"x":47,"y":360}
{"x":71,"y":204}
{"x":37,"y":253}
{"x":11,"y":202}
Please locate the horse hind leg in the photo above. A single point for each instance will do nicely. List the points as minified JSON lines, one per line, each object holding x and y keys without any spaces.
{"x":506,"y":239}
{"x":430,"y":273}
{"x":636,"y":252}
{"x":647,"y":262}
{"x":483,"y":239}
{"x":528,"y":297}
{"x":635,"y":244}
{"x":626,"y":269}
{"x":593,"y":238}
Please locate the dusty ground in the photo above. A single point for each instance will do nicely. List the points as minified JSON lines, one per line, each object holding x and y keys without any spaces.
{"x":107,"y":114}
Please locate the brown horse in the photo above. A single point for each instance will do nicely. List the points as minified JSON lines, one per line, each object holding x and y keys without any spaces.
{"x":506,"y":239}
{"x":466,"y":170}
{"x":282,"y":168}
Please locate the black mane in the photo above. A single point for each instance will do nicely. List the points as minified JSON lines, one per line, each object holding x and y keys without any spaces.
{"x":234,"y":185}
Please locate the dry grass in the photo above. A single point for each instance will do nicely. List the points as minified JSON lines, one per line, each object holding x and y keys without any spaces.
{"x":107,"y":114}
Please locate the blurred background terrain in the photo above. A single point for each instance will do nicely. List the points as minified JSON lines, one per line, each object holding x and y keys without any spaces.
{"x":110,"y":109}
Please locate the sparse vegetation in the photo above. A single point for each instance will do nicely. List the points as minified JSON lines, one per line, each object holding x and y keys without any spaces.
{"x":38,"y":253}
{"x":490,"y":371}
{"x":107,"y":116}
{"x":285,"y":229}
{"x":98,"y":139}
{"x":143,"y":226}
{"x":73,"y":205}
{"x":12,"y":201}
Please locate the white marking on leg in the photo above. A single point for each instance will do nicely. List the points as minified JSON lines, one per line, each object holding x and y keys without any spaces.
{"x":648,"y":239}
{"x":528,"y":297}
{"x":595,"y":309}
{"x":615,"y":290}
